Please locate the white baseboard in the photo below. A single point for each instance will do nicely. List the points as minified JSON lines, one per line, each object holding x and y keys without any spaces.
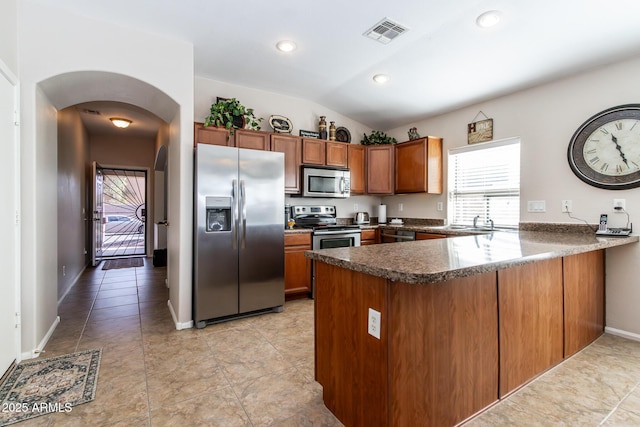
{"x":621,"y":333}
{"x":38,"y":350}
{"x":179,"y":326}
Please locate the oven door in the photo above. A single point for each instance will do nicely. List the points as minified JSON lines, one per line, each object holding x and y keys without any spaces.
{"x":335,"y":239}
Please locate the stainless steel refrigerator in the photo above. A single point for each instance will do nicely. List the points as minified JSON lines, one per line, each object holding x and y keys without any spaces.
{"x":238,"y":233}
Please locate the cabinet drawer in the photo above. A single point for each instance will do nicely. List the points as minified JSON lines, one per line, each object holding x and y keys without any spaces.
{"x":368,"y":235}
{"x":297,"y":239}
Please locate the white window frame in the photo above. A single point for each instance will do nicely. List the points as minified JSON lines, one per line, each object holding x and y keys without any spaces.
{"x":513,"y":192}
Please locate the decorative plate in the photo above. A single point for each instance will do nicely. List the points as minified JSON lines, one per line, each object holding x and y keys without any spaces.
{"x":343,"y":134}
{"x":280,"y":124}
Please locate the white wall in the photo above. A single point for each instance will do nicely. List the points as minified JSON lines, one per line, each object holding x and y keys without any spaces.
{"x":8,"y":34}
{"x":545,"y":117}
{"x":73,"y":209}
{"x":54,"y":43}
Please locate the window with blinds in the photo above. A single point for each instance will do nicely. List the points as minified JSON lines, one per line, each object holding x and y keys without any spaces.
{"x":484,"y":182}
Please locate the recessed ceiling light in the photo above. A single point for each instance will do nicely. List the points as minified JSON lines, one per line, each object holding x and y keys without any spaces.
{"x":286,"y":46}
{"x":381,"y":78}
{"x":120,"y":123}
{"x":488,"y":19}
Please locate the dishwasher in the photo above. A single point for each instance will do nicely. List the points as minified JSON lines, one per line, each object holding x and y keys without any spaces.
{"x":398,"y":236}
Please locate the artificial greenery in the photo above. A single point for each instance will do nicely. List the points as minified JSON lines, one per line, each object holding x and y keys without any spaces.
{"x":225,"y":113}
{"x":377,"y":137}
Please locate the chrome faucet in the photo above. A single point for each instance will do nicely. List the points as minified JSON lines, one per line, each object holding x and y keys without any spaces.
{"x":475,"y":221}
{"x":491,"y":222}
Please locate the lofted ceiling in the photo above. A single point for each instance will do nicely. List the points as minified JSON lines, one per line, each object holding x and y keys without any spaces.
{"x":443,"y":62}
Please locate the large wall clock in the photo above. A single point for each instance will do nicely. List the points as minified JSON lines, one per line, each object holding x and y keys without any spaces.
{"x":605,"y":150}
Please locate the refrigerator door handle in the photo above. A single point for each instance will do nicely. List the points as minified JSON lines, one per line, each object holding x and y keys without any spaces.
{"x":244,"y":214}
{"x":234,"y":213}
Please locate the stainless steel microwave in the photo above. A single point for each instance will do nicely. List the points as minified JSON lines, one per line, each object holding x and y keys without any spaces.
{"x":325,"y":182}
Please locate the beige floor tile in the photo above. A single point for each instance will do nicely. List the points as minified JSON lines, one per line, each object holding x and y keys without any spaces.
{"x":277,"y":396}
{"x":256,"y":361}
{"x":220,"y":408}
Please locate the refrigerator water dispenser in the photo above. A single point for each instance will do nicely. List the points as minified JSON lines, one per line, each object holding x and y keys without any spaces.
{"x":218,"y":214}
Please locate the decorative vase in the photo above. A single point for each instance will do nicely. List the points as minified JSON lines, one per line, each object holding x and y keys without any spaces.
{"x":322,"y":128}
{"x":332,"y":131}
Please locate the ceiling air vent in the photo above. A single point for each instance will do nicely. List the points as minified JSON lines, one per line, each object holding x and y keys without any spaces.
{"x":94,"y":112}
{"x":385,"y":31}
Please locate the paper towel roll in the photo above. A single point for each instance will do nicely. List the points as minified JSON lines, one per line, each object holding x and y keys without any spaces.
{"x":382,"y":214}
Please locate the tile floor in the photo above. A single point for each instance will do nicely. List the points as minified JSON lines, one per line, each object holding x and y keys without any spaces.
{"x":259,"y":371}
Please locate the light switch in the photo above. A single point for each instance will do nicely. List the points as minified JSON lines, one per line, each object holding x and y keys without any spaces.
{"x":536,"y":206}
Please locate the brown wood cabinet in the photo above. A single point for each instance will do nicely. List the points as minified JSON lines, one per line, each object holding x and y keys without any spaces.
{"x":428,"y":236}
{"x":380,"y":163}
{"x":531,"y":325}
{"x":357,"y":164}
{"x":337,"y":154}
{"x":252,"y":139}
{"x":418,"y":166}
{"x":313,"y":151}
{"x":583,"y":300}
{"x":291,"y":146}
{"x":211,"y":135}
{"x":368,"y":237}
{"x":297,"y":268}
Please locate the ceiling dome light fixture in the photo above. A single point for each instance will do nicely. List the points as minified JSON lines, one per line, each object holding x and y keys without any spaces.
{"x":286,"y":46}
{"x":381,"y":78}
{"x":488,"y":19}
{"x":120,"y":123}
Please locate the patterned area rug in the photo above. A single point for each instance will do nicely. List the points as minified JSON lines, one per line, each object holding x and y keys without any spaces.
{"x":122,"y":263}
{"x":45,"y":386}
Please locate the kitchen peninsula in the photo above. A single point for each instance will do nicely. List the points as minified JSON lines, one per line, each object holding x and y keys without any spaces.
{"x":464,"y":321}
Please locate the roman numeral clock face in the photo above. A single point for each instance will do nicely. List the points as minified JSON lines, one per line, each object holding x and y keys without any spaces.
{"x":605,"y":150}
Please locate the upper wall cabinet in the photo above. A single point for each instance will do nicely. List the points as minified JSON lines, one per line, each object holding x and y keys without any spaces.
{"x":357,"y":163}
{"x":337,"y":154}
{"x":211,"y":135}
{"x":418,"y":166}
{"x":291,"y":146}
{"x":380,"y":169}
{"x":322,"y":152}
{"x":252,"y":139}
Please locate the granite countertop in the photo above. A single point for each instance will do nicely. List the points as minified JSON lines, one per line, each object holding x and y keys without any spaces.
{"x":437,"y":260}
{"x":297,"y":230}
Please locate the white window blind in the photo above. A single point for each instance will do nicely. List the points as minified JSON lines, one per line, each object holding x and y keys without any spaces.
{"x":484,"y":182}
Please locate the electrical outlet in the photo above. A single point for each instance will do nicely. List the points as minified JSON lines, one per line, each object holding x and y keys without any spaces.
{"x":355,"y":207}
{"x":567,"y":206}
{"x":619,"y":203}
{"x":374,"y":323}
{"x":440,"y":206}
{"x":400,"y":207}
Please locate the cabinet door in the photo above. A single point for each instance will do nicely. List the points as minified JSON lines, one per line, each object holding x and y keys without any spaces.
{"x":418,"y":166}
{"x":297,"y":268}
{"x":530,"y":321}
{"x":337,"y":154}
{"x":368,"y":237}
{"x":357,"y":164}
{"x":291,"y":146}
{"x":211,"y":135}
{"x":583,"y":300}
{"x":380,"y":169}
{"x":252,"y":139}
{"x":313,"y":151}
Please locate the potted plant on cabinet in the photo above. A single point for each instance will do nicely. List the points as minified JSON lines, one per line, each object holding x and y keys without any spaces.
{"x":377,"y":137}
{"x":231,"y":114}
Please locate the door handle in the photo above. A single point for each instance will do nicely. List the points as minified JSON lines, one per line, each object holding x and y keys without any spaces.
{"x":341,"y":185}
{"x":244,"y":214}
{"x":234,"y":214}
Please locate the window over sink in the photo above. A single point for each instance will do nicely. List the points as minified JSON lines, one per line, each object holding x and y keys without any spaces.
{"x":484,"y":184}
